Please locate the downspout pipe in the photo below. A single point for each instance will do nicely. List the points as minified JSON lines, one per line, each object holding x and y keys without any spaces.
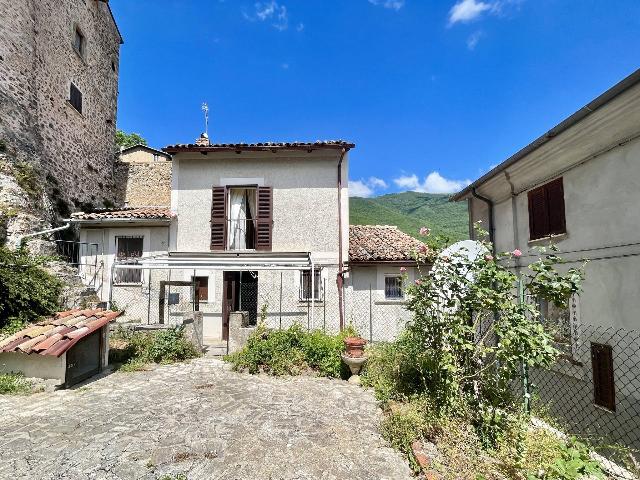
{"x":341,"y":271}
{"x":491,"y":228}
{"x":22,"y":238}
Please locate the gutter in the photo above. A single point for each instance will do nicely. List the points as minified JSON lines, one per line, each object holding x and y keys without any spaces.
{"x":21,"y":239}
{"x":567,"y":123}
{"x":341,"y":270}
{"x":489,"y":203}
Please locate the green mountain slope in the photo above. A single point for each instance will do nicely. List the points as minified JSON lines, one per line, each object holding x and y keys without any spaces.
{"x":412,"y":210}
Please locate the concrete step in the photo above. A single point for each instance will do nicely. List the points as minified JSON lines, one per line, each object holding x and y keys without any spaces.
{"x":216,"y":350}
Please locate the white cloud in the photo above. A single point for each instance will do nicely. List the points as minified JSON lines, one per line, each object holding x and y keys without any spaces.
{"x":433,"y":183}
{"x":285,"y":66}
{"x":366,"y":187}
{"x":467,"y":10}
{"x":300,"y":27}
{"x":391,"y":4}
{"x":272,"y":12}
{"x":473,"y":40}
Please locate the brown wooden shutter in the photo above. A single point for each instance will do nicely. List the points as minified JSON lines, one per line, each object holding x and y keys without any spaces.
{"x":538,"y":216}
{"x":555,"y":204}
{"x":264,"y":219}
{"x":218,"y":218}
{"x":604,"y":393}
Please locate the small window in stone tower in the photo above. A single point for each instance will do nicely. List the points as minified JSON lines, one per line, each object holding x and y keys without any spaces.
{"x":75,"y":98}
{"x":79,"y":42}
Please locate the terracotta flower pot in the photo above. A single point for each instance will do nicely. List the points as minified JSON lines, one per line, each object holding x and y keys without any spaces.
{"x":354,"y":346}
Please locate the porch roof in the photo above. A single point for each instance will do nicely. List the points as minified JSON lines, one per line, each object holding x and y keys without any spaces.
{"x":229,"y":260}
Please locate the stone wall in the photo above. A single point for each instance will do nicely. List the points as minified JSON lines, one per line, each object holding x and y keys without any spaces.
{"x":143,"y":184}
{"x":72,"y":152}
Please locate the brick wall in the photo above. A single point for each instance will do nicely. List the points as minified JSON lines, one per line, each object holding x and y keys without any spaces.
{"x":73,"y":152}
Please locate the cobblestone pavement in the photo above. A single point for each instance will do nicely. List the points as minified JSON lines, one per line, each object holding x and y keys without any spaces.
{"x":199,"y":419}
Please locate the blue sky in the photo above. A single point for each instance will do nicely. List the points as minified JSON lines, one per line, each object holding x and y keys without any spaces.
{"x":433,"y":92}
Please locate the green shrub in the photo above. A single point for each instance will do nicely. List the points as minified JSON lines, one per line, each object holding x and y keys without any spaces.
{"x":27,"y":291}
{"x":14,"y":384}
{"x":291,"y":352}
{"x":134,"y":350}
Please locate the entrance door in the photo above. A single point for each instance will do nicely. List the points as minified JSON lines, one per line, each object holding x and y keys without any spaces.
{"x":230,"y":299}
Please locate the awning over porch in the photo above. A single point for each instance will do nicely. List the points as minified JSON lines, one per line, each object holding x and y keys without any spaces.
{"x":230,"y":260}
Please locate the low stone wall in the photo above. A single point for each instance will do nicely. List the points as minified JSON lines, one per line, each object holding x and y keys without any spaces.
{"x":192,"y":323}
{"x":239,"y":330}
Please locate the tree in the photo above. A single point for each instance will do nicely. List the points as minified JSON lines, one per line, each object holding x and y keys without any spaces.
{"x":27,"y":291}
{"x":125,"y":140}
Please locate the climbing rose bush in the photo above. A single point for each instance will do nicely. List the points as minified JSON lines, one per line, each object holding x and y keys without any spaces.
{"x":475,"y":331}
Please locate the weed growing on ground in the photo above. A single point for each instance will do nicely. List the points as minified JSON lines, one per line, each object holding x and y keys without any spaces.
{"x":292,"y":352}
{"x":14,"y":384}
{"x":135,"y":350}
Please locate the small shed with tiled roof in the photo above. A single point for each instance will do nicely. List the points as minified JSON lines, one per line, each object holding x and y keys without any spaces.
{"x":69,"y":347}
{"x":382,"y":244}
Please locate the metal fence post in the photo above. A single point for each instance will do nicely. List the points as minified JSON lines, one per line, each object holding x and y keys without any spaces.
{"x":525,"y":367}
{"x":280,"y":300}
{"x":324,"y":305}
{"x":149,"y":301}
{"x":370,"y":314}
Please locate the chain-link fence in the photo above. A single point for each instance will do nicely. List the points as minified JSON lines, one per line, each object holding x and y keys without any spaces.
{"x":593,"y":390}
{"x":279,"y":297}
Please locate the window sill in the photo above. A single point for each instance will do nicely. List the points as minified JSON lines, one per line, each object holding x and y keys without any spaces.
{"x":74,"y":109}
{"x":308,"y":302}
{"x":389,"y":301}
{"x":79,"y":54}
{"x":130,"y":284}
{"x":558,"y":237}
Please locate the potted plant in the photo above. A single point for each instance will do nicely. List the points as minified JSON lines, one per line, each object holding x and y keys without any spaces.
{"x":354,"y":346}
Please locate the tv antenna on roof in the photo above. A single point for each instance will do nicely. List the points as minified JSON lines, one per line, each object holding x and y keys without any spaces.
{"x":205,"y":109}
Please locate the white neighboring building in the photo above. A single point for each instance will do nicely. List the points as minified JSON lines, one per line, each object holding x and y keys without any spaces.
{"x":578,"y":186}
{"x":381,"y":263}
{"x":122,"y":235}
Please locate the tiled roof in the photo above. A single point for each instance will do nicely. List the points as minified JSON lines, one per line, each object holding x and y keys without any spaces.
{"x":381,"y":243}
{"x":145,"y":147}
{"x":57,"y":334}
{"x":149,"y":213}
{"x":264,"y":146}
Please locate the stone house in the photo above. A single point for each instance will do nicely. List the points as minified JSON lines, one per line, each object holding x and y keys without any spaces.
{"x":577,"y":187}
{"x":143,"y":175}
{"x":59,"y":63}
{"x":259,"y":228}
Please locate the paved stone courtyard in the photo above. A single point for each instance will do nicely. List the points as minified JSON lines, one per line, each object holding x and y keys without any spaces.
{"x":201,"y":420}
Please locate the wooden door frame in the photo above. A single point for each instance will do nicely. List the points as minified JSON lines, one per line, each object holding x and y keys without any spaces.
{"x":227,"y":283}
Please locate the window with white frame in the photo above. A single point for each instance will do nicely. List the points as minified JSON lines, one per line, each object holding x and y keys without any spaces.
{"x":393,"y":287}
{"x":305,"y":284}
{"x":128,"y":251}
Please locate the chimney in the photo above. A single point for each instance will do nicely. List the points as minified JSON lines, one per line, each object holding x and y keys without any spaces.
{"x":203,"y":141}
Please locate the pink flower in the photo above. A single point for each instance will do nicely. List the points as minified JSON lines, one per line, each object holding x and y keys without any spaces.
{"x":423,"y":248}
{"x":516,"y":253}
{"x":403,"y":269}
{"x":488,"y":258}
{"x":425,"y":231}
{"x":418,"y":282}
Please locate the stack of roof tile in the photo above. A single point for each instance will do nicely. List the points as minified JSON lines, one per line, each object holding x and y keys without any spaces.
{"x":58,"y":334}
{"x":381,"y":243}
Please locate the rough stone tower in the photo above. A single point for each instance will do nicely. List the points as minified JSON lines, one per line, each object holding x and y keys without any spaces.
{"x":59,"y":63}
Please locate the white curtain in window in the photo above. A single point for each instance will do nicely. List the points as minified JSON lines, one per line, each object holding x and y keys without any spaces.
{"x":251,"y":202}
{"x":237,"y":217}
